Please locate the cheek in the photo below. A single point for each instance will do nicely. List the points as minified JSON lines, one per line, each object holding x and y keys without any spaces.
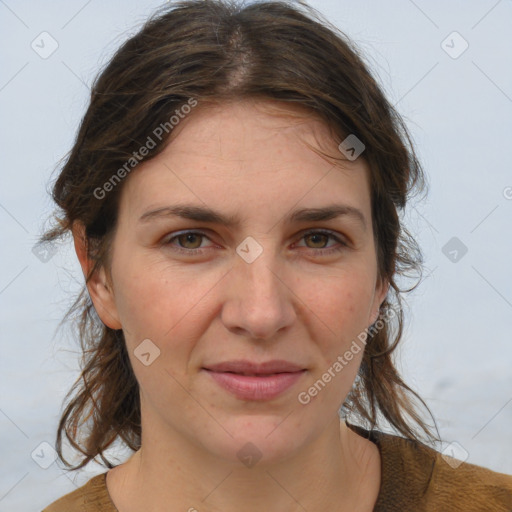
{"x":338,"y":314}
{"x":159,"y":301}
{"x":340,"y":302}
{"x":339,"y":310}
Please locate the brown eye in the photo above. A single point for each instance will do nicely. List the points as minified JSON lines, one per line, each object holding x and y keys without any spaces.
{"x":188,"y":243}
{"x":189,"y":240}
{"x":319,"y":240}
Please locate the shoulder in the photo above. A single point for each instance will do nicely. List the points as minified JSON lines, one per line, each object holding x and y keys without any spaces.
{"x":92,"y":496}
{"x":472,"y":487}
{"x":417,"y":477}
{"x":439,"y":482}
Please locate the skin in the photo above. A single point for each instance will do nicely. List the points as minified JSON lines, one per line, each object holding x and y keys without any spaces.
{"x":258,"y":162}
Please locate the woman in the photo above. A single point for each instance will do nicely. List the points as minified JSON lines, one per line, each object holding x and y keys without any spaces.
{"x":233,"y":196}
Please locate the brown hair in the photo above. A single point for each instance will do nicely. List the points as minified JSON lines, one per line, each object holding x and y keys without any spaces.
{"x":217,"y":50}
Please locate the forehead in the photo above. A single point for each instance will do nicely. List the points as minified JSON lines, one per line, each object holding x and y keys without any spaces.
{"x":249,"y":154}
{"x":252,"y":130}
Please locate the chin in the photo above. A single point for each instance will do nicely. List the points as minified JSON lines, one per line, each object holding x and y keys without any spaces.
{"x":257,"y":440}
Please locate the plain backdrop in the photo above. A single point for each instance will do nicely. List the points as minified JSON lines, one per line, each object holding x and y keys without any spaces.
{"x":446,"y":65}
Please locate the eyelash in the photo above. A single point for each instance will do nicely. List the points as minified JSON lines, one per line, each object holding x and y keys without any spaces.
{"x":198,"y":251}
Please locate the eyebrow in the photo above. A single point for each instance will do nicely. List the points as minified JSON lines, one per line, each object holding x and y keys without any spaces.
{"x":207,"y":215}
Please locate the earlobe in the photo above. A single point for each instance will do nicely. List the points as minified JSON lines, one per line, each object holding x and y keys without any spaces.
{"x":101,"y":293}
{"x":380,"y":294}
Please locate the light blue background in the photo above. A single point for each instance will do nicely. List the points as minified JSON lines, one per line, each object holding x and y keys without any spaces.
{"x":457,"y":348}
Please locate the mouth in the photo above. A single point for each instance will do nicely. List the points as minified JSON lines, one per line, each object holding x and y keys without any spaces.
{"x":253,"y":386}
{"x":255,"y":374}
{"x":246,"y":367}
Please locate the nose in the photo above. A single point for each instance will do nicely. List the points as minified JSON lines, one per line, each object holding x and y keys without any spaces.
{"x":258,"y":302}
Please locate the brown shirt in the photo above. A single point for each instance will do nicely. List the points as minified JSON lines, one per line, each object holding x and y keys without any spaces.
{"x":414,"y":478}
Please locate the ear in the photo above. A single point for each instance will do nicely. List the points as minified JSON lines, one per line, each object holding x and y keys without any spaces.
{"x":381,"y":290}
{"x":100,"y":290}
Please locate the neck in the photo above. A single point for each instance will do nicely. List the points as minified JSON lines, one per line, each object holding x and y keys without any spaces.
{"x":168,"y":473}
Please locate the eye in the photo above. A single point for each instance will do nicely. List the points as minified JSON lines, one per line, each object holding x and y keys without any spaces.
{"x":192,"y":238}
{"x":319,"y":239}
{"x":189,"y":242}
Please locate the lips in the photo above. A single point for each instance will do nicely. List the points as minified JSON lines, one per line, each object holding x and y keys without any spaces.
{"x":244,"y":367}
{"x":255,"y":381}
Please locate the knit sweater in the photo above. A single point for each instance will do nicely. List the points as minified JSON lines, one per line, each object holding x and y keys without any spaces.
{"x":414,"y":478}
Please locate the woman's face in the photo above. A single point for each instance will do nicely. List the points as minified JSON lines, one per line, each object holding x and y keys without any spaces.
{"x":243,"y":271}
